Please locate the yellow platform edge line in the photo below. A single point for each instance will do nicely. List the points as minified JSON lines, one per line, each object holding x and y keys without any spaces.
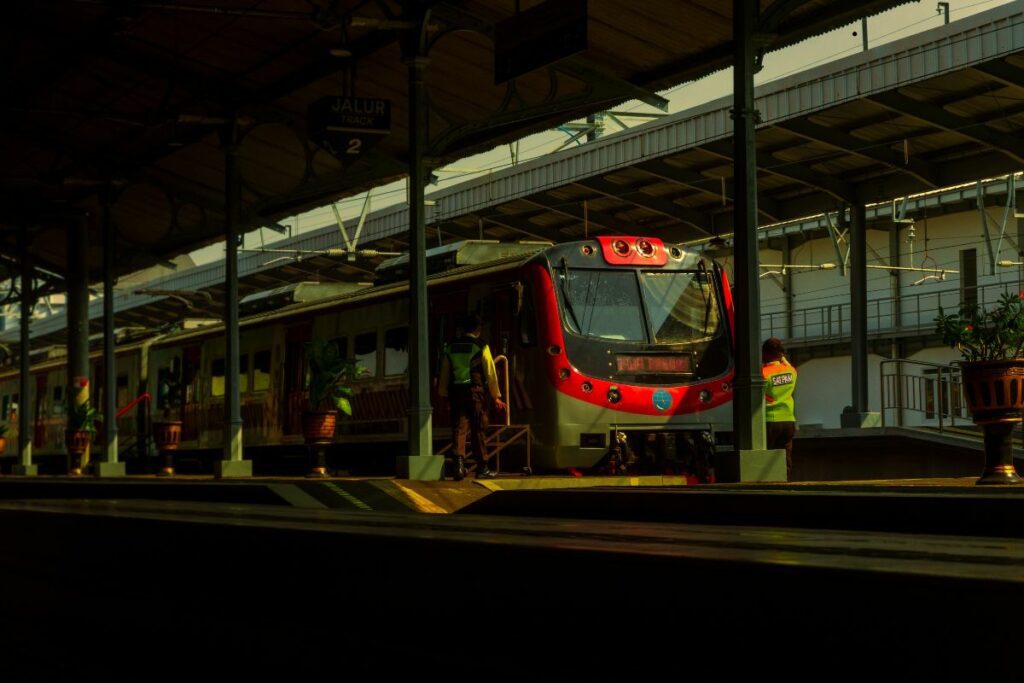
{"x":419,"y":502}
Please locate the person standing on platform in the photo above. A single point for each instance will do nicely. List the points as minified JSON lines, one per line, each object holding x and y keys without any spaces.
{"x":469,"y":381}
{"x":780,"y":416}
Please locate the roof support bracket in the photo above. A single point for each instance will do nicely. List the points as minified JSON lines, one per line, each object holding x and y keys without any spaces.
{"x":837,"y":237}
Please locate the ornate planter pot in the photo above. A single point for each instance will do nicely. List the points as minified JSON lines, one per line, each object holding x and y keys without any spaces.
{"x":3,"y":444}
{"x":167,"y":436}
{"x":994,"y":391}
{"x":318,"y":432}
{"x":77,"y":442}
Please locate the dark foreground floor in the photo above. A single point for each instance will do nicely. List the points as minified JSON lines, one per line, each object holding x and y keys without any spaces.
{"x":134,"y":590}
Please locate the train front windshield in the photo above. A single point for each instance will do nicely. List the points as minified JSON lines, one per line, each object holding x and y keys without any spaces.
{"x":681,"y":307}
{"x":647,"y":311}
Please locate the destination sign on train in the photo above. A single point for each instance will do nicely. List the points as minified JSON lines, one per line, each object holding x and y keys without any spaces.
{"x":348,"y":127}
{"x":654,"y":363}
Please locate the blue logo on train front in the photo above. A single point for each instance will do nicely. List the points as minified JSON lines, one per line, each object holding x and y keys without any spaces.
{"x":662,"y":400}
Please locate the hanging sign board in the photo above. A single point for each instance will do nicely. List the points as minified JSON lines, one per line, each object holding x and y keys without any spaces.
{"x":348,"y":127}
{"x":539,"y":36}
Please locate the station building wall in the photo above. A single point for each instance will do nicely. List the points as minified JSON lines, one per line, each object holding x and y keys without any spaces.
{"x":821,"y":302}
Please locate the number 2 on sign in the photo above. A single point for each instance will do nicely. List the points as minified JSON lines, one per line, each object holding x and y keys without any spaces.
{"x":354,"y":146}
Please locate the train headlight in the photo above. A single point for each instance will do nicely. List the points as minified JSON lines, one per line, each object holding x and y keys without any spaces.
{"x":587,"y":387}
{"x":704,"y":396}
{"x":645,"y":248}
{"x":587,"y":250}
{"x":614,"y":395}
{"x":621,"y":247}
{"x":676,"y":253}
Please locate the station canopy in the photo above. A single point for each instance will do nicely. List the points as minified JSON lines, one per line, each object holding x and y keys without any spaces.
{"x":129,"y":100}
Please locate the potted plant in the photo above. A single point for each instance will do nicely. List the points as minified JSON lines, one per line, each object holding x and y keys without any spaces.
{"x":992,"y":344}
{"x":167,"y":431}
{"x":81,"y":428}
{"x":3,"y":439}
{"x":329,"y":392}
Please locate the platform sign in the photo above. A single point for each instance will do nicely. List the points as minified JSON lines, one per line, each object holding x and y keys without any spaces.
{"x":348,"y":127}
{"x":539,"y":36}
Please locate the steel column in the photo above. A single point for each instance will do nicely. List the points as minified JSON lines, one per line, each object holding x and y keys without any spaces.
{"x":859,"y":307}
{"x":420,"y":411}
{"x":109,"y":466}
{"x":787,"y":284}
{"x":895,"y":292}
{"x":748,"y":392}
{"x":25,"y":403}
{"x":109,"y":355}
{"x":232,"y":463}
{"x":77,"y":282}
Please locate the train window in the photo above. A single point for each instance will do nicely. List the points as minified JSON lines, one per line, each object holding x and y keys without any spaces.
{"x":243,"y":373}
{"x":396,"y":351}
{"x":366,"y":354}
{"x":261,"y":370}
{"x":217,"y":377}
{"x":342,"y":343}
{"x":681,"y":306}
{"x":601,"y":303}
{"x":527,"y":318}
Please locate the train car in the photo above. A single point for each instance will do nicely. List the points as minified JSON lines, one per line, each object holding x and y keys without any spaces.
{"x":617,"y":350}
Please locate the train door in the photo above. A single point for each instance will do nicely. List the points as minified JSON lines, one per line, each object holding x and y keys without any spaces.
{"x":39,"y":424}
{"x":500,"y":335}
{"x":444,"y":311}
{"x":191,"y":357}
{"x":294,"y":385}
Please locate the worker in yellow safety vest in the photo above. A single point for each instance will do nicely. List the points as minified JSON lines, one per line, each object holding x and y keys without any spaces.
{"x":780,"y":382}
{"x":469,"y":381}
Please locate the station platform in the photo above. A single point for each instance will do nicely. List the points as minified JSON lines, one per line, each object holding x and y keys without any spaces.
{"x":345,"y":493}
{"x":113,"y":588}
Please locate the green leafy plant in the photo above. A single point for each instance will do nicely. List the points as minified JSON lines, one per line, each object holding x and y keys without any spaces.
{"x":83,"y":417}
{"x":329,"y":374}
{"x":995,"y":334}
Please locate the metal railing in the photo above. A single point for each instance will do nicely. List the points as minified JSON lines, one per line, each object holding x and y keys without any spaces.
{"x":932,"y":390}
{"x":911,"y":311}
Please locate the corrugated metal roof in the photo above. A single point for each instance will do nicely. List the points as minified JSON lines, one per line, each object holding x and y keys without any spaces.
{"x":134,"y":92}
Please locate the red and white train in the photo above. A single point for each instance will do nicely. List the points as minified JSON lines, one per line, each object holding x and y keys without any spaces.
{"x":617,"y":348}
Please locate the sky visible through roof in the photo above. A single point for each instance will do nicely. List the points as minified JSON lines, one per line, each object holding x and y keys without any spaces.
{"x":895,"y":24}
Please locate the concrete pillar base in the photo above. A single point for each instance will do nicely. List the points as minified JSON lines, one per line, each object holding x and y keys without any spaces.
{"x":25,"y":470}
{"x":233,"y":469}
{"x":420,"y":467}
{"x":741,"y":466}
{"x":110,"y":469}
{"x":860,"y":420}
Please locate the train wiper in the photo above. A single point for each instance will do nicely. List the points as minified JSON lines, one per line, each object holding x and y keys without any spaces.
{"x":702,"y":274}
{"x":567,"y":296}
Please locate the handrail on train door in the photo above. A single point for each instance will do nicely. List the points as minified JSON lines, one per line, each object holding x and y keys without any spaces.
{"x":136,"y":401}
{"x":508,"y":397}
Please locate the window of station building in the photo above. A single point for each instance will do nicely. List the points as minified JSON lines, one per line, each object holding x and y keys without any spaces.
{"x":261,"y":370}
{"x":243,"y":373}
{"x":217,"y":377}
{"x":396,"y":351}
{"x":58,"y":400}
{"x":366,"y":355}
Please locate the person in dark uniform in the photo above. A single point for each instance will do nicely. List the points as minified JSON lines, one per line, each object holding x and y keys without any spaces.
{"x":470,"y":382}
{"x":780,"y":382}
